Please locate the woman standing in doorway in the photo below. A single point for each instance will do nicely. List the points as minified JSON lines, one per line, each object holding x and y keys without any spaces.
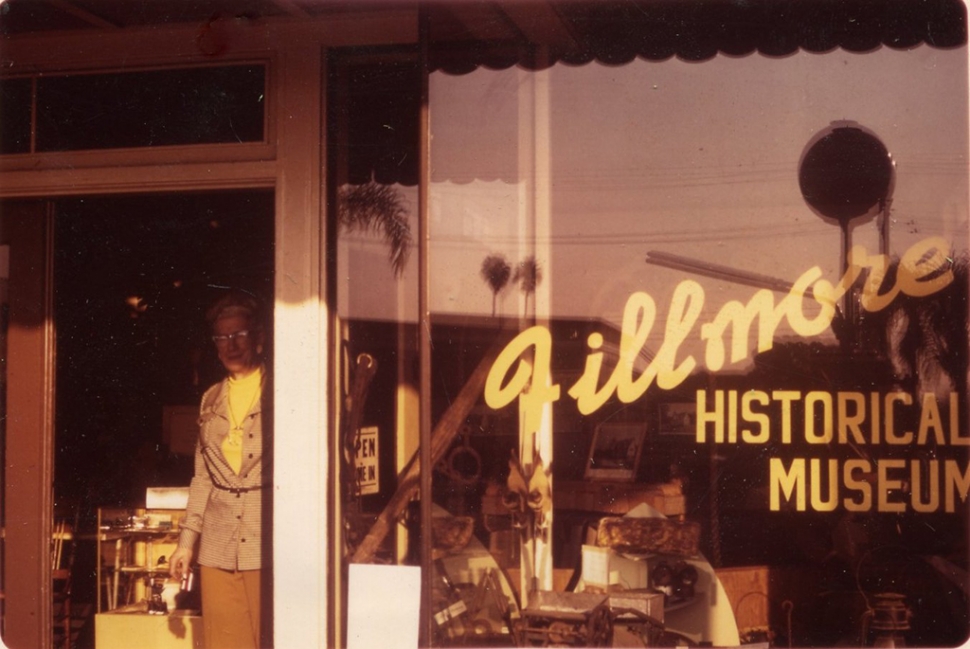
{"x":224,"y":512}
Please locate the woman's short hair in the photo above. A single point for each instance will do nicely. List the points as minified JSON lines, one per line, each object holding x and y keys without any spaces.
{"x":236,"y":302}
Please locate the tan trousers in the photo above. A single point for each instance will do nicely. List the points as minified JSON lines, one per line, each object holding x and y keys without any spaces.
{"x":230,"y":608}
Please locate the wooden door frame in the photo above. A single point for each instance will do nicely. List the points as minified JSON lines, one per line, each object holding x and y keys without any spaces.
{"x":27,"y":494}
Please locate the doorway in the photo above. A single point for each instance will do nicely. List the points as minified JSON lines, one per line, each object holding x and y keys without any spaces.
{"x":132,"y":276}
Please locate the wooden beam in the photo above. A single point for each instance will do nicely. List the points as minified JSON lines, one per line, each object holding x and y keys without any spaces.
{"x":175,"y":45}
{"x":291,"y":8}
{"x":539,"y":23}
{"x":83,"y":14}
{"x":483,"y":21}
{"x":70,"y":182}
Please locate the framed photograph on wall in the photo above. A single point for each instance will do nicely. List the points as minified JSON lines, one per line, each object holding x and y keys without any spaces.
{"x":615,"y":451}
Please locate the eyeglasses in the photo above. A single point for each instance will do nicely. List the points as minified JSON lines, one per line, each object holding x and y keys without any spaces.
{"x":224,"y":339}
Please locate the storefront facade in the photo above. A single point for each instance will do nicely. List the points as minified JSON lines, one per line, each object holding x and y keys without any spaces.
{"x":553,"y":266}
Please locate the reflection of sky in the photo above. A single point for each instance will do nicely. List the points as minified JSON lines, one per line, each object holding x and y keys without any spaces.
{"x":697,"y":159}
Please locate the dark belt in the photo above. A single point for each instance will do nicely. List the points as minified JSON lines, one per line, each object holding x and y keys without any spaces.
{"x":217,"y":480}
{"x":237,"y":490}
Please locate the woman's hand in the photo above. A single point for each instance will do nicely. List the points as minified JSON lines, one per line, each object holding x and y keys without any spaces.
{"x":179,"y":562}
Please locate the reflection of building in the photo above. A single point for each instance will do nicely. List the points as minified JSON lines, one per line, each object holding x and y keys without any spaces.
{"x":258,"y":119}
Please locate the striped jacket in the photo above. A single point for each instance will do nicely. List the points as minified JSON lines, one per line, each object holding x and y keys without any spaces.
{"x":224,"y":508}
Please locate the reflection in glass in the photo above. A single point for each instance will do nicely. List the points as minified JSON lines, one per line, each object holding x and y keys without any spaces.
{"x":634,"y":237}
{"x":591,"y":170}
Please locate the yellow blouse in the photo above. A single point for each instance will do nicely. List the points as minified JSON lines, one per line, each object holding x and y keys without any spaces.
{"x":243,"y":394}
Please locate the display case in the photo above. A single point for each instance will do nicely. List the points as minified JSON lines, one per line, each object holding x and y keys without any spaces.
{"x":133,"y":547}
{"x":136,"y":598}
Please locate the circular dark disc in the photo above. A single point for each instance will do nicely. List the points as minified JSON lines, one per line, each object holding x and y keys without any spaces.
{"x":845,"y":172}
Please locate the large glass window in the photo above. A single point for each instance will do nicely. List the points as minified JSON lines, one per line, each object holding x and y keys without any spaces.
{"x":372,"y":121}
{"x":662,"y":221}
{"x":691,"y":324}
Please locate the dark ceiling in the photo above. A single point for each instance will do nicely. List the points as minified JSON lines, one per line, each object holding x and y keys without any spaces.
{"x":538,"y":33}
{"x":31,"y":16}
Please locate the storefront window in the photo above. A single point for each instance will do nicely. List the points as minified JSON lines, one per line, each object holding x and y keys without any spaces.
{"x":372,"y":119}
{"x":662,"y":222}
{"x":731,"y":299}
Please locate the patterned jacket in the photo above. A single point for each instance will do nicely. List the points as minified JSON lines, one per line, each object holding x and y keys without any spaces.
{"x":226,"y":508}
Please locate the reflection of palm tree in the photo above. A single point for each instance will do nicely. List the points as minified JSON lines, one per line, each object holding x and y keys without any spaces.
{"x":496,"y":272}
{"x":927,"y":336}
{"x":528,"y":275}
{"x":378,"y":208}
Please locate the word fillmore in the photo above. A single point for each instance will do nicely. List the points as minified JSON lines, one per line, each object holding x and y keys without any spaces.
{"x":847,"y":420}
{"x":923,"y":270}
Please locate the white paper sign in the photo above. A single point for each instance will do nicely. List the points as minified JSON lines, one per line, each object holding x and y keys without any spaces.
{"x":596,"y":567}
{"x":383,"y":606}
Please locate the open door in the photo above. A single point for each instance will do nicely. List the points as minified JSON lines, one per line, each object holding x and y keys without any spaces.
{"x":102,"y":303}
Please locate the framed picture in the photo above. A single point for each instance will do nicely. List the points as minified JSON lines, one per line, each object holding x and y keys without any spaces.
{"x":615,"y":451}
{"x":677,"y":418}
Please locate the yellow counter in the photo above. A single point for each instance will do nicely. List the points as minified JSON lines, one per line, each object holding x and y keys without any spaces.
{"x":131,"y":627}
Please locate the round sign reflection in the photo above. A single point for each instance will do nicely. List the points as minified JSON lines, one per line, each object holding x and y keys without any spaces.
{"x":845,"y":173}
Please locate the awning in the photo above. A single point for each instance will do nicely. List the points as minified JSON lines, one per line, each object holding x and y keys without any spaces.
{"x":534,"y":35}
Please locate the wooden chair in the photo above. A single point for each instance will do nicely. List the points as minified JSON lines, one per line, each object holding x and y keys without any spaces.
{"x":61,"y":577}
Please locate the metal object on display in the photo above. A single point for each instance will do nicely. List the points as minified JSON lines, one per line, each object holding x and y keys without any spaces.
{"x":156,"y":605}
{"x":637,"y":604}
{"x":638,"y":617}
{"x":676,"y":580}
{"x":463,"y":464}
{"x":471,"y":614}
{"x":555,"y":619}
{"x":451,"y":533}
{"x":890,"y":619}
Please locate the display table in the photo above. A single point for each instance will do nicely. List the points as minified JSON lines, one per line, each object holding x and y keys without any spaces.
{"x":117,"y":629}
{"x":132,"y":546}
